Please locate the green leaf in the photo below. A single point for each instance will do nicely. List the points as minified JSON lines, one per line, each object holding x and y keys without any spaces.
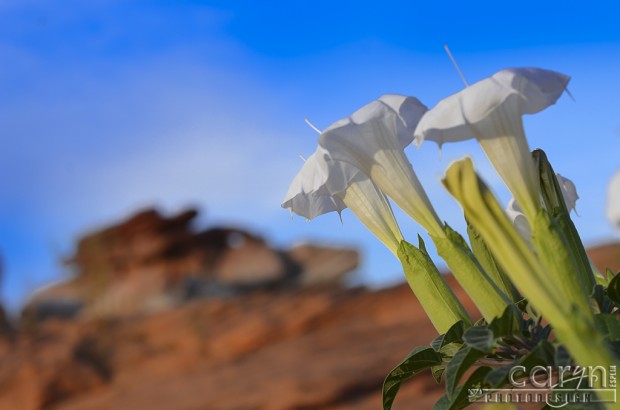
{"x":498,"y":376}
{"x":453,"y":335}
{"x":615,"y":349}
{"x":613,"y":290}
{"x":508,"y":323}
{"x":610,"y":274}
{"x":437,"y":372}
{"x":604,"y":303}
{"x":562,"y":357}
{"x":542,"y":355}
{"x":459,"y":364}
{"x":460,"y":398}
{"x":419,"y":359}
{"x":450,"y":349}
{"x":609,"y":325}
{"x":480,"y":338}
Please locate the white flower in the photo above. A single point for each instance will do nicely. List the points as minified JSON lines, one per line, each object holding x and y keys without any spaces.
{"x":613,"y":201}
{"x":323,"y":185}
{"x":515,"y":214}
{"x":490,"y":111}
{"x":373,"y":140}
{"x":569,"y":192}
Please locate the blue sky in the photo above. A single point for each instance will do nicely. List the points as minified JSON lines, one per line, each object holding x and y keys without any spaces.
{"x":107,"y":106}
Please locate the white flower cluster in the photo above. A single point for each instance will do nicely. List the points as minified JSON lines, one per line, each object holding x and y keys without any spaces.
{"x":360,"y":159}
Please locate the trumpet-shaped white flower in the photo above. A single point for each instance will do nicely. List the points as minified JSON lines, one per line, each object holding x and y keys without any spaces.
{"x":373,"y":140}
{"x":515,"y":214}
{"x":613,"y":201}
{"x":490,"y":111}
{"x":323,"y":185}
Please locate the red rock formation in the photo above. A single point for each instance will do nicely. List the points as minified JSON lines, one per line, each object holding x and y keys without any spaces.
{"x":150,"y":262}
{"x":316,"y":348}
{"x":312,"y":349}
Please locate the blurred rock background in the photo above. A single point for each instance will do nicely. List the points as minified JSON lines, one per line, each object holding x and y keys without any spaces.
{"x":160,"y":316}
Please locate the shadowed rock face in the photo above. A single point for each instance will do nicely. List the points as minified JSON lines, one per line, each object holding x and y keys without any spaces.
{"x":151,"y":262}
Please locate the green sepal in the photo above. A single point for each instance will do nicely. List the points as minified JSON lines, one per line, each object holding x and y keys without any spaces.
{"x":553,"y":199}
{"x":490,"y":265}
{"x":489,"y":299}
{"x":557,"y":258}
{"x":429,"y":286}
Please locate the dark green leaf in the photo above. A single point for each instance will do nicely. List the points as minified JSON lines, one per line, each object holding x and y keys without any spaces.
{"x":419,"y":359}
{"x":498,"y":376}
{"x":465,"y":394}
{"x":453,"y":335}
{"x":542,"y":355}
{"x":615,"y":349}
{"x":480,"y":338}
{"x":459,"y":364}
{"x":609,"y":325}
{"x":562,"y":357}
{"x":613,"y":290}
{"x":609,"y":274}
{"x":508,"y":323}
{"x":603,"y":302}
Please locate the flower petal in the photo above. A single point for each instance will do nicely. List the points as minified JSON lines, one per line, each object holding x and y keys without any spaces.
{"x":515,"y":214}
{"x":491,"y":111}
{"x":569,"y":192}
{"x":308,"y":194}
{"x":373,"y":140}
{"x":466,"y":114}
{"x":324,"y":185}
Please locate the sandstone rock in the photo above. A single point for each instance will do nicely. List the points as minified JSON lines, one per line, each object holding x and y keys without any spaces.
{"x":150,"y":262}
{"x":606,"y":256}
{"x":314,"y":348}
{"x":321,"y":264}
